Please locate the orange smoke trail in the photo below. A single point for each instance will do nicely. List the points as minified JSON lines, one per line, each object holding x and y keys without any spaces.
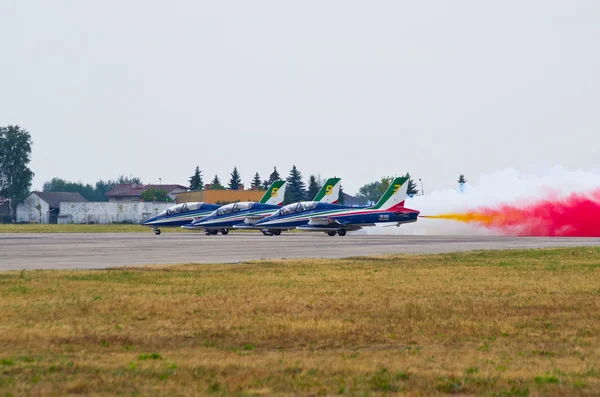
{"x":575,"y":216}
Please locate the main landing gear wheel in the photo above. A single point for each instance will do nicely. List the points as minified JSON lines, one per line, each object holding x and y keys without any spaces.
{"x":211,"y":232}
{"x":342,"y":232}
{"x":267,"y":233}
{"x":276,"y":232}
{"x":157,"y":232}
{"x":333,"y":233}
{"x":224,"y":231}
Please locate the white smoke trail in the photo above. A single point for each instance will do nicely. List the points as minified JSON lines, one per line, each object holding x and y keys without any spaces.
{"x":507,"y":186}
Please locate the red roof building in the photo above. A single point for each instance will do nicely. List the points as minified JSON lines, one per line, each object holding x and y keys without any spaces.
{"x":131,"y":192}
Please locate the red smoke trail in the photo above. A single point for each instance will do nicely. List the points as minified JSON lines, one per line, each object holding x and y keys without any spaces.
{"x":575,"y":216}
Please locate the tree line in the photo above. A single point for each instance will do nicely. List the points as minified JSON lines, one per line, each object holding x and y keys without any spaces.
{"x":296,"y":190}
{"x":91,"y":193}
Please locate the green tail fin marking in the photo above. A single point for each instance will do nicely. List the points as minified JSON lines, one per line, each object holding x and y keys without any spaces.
{"x":273,"y":191}
{"x":394,"y":186}
{"x":327,"y":188}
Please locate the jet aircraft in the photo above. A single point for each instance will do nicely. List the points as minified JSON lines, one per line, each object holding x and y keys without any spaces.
{"x":244,"y":215}
{"x":223,"y":217}
{"x":178,"y":215}
{"x":338,"y":219}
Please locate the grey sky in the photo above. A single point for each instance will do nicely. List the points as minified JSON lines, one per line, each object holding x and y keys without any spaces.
{"x":345,"y":88}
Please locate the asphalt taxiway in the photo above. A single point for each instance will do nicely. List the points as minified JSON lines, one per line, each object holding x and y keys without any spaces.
{"x":102,"y":250}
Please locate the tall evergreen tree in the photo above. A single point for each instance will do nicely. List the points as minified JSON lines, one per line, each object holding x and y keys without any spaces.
{"x":216,"y":183}
{"x":266,"y":184}
{"x":236,"y":180}
{"x":196,"y":180}
{"x":313,"y":187}
{"x":412,"y":187}
{"x":274,"y":176}
{"x":256,"y":182}
{"x":15,"y":154}
{"x":296,"y":189}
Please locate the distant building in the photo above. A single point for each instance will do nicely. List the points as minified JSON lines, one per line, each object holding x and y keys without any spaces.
{"x":354,"y":201}
{"x":44,"y":207}
{"x":132,"y":192}
{"x":4,"y":209}
{"x":219,"y":196}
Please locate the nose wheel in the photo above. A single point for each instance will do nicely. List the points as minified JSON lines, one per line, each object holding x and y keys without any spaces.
{"x":157,"y":232}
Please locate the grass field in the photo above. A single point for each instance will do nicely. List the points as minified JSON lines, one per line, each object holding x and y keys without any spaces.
{"x":504,"y":323}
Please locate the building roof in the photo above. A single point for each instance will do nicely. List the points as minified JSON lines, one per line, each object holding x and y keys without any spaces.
{"x":134,"y":190}
{"x":55,"y":198}
{"x":351,"y":200}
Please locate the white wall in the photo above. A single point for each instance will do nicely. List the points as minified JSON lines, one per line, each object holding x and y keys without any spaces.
{"x":28,"y":210}
{"x":111,"y":212}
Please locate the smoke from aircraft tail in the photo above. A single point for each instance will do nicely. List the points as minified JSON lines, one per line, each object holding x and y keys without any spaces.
{"x":509,"y":203}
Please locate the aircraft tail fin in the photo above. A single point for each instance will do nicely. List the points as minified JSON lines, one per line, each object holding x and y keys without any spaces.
{"x":394,"y":196}
{"x":274,"y":195}
{"x":330,"y":192}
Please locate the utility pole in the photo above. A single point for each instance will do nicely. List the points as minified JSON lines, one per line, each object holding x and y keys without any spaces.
{"x":422,"y":190}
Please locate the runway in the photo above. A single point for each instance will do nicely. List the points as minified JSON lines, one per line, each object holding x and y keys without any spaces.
{"x":102,"y":250}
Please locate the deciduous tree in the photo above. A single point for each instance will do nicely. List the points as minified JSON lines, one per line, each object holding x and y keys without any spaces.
{"x":370,"y":191}
{"x":15,"y":155}
{"x":158,"y":195}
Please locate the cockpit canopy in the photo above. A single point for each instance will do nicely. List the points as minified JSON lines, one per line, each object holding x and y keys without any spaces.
{"x":181,"y":208}
{"x":233,"y":208}
{"x":297,"y":207}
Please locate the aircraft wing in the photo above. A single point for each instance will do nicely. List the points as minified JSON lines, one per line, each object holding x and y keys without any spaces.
{"x":252,"y":219}
{"x":321,"y":224}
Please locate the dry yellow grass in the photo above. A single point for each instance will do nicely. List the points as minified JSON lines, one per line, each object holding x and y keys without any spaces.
{"x":508,"y":323}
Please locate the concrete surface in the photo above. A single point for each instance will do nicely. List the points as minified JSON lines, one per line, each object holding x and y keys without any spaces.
{"x":101,"y":250}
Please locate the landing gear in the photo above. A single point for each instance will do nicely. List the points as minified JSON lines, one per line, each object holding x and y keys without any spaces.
{"x":342,"y":232}
{"x":271,"y":232}
{"x":224,"y":231}
{"x":157,"y":232}
{"x":211,"y":232}
{"x":332,"y":233}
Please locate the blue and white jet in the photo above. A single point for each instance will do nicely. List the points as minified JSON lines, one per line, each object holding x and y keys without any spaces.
{"x":339,"y":219}
{"x":179,"y":215}
{"x":244,"y":215}
{"x":224,"y":217}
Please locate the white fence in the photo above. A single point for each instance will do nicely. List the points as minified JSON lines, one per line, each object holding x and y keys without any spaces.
{"x":109,"y":212}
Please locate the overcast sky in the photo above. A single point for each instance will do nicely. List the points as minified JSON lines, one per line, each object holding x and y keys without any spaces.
{"x":346,"y":88}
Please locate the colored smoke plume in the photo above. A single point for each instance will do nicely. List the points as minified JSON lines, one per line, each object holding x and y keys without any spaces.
{"x":557,"y":202}
{"x":575,"y":216}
